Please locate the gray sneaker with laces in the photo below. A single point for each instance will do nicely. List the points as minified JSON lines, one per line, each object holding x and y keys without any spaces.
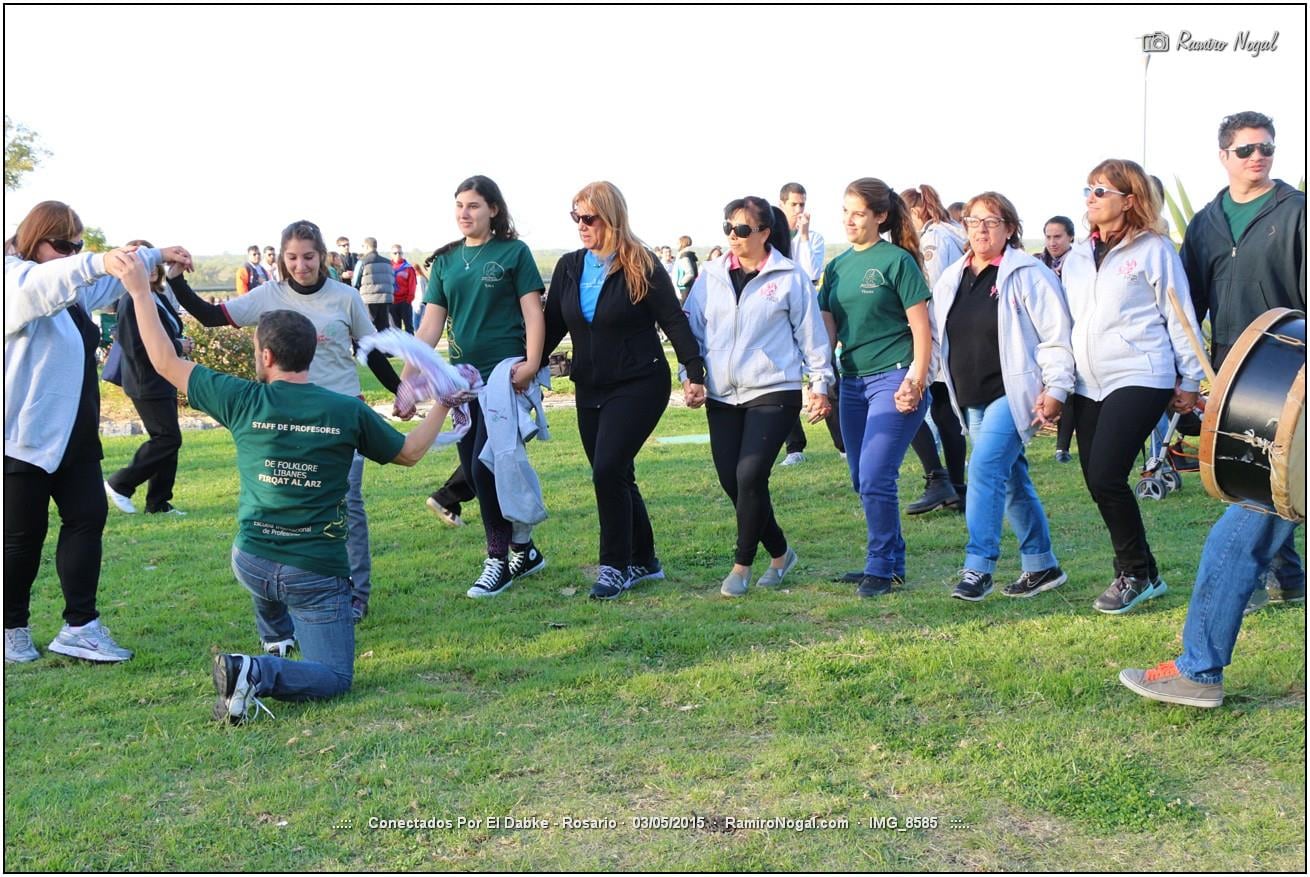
{"x":18,"y":646}
{"x":91,"y":642}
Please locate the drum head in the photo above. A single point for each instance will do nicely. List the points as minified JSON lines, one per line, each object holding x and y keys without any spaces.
{"x":1287,"y":457}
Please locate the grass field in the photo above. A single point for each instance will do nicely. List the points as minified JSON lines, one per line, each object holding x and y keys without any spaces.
{"x":1001,"y":722}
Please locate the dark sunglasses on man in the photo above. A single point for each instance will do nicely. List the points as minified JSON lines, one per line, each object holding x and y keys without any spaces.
{"x":65,"y":248}
{"x":1266,"y":149}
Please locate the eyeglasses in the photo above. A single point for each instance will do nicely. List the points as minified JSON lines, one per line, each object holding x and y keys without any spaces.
{"x":742,"y":230}
{"x":989,"y":223}
{"x":587,"y":219}
{"x":1244,"y":151}
{"x":1101,"y":192}
{"x":65,"y":248}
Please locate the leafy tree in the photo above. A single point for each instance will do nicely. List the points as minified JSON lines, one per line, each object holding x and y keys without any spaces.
{"x":93,"y":237}
{"x":22,"y":153}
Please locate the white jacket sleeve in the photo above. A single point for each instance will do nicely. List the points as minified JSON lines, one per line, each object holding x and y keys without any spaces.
{"x":1166,"y":270}
{"x":1044,"y":300}
{"x":35,"y":290}
{"x":810,"y":333}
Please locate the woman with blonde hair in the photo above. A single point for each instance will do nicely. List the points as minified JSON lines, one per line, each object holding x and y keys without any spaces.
{"x":608,"y":297}
{"x":1132,"y":358}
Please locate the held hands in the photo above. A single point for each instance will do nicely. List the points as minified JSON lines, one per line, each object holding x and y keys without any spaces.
{"x":1047,"y":410}
{"x":522,"y":376}
{"x":693,"y":394}
{"x":406,"y":400}
{"x":128,"y":267}
{"x":177,"y":256}
{"x":817,"y":406}
{"x":909,"y":395}
{"x":1183,"y":401}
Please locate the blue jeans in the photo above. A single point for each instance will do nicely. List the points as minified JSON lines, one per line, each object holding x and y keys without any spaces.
{"x":361,"y":562}
{"x":316,"y":609}
{"x":999,"y":487}
{"x":1239,"y":550}
{"x":876,"y":436}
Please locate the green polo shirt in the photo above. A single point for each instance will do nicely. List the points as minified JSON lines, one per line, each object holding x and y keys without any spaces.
{"x":868,"y":292}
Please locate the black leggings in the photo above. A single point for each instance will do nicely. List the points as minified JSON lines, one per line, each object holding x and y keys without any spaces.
{"x":498,"y":529}
{"x":952,"y":436}
{"x":612,"y":435}
{"x":79,"y":494}
{"x":155,"y":462}
{"x":1107,"y":457}
{"x":744,"y":443}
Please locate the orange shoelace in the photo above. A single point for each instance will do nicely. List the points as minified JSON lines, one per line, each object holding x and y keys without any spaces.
{"x":1163,"y":670}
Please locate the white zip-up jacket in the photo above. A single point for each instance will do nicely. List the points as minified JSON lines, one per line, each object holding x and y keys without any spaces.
{"x":764,"y":342}
{"x":941,"y":244}
{"x":1125,"y":332}
{"x":1032,"y":325}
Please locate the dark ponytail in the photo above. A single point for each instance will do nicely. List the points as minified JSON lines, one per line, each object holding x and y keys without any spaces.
{"x":878,"y":197}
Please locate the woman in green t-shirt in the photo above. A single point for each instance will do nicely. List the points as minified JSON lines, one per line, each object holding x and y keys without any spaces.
{"x":488,"y":283}
{"x":874,"y":303}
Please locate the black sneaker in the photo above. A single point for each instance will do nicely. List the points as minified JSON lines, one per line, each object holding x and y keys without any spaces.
{"x":495,"y":579}
{"x":1030,"y":584}
{"x":1127,"y":593}
{"x":645,"y":572}
{"x":854,"y":577}
{"x":973,"y":586}
{"x":610,"y":583}
{"x":873,"y":586}
{"x":525,"y":560}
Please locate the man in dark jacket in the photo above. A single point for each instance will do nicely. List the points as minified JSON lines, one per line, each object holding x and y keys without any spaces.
{"x":1244,"y":253}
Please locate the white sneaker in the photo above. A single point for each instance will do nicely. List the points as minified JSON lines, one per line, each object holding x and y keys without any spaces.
{"x":124,"y":503}
{"x":793,"y":458}
{"x":18,"y":646}
{"x":91,"y":642}
{"x":281,"y":648}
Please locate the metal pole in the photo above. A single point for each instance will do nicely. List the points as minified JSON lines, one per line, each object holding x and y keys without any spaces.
{"x":1146,"y":66}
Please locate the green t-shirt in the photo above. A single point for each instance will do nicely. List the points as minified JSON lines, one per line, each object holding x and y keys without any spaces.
{"x":482,"y":299}
{"x":295,"y":443}
{"x":1240,"y":215}
{"x":867,"y":292}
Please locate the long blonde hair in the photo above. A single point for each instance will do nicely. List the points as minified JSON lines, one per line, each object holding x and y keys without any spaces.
{"x":1128,"y":177}
{"x":630,"y":254}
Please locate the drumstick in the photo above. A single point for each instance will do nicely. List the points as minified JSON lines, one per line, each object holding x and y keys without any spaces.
{"x":1191,"y":336}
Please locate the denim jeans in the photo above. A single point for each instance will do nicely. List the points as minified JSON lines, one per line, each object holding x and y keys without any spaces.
{"x":361,"y":563}
{"x":1239,"y":550}
{"x":316,"y":609}
{"x":876,"y":436}
{"x":999,"y":487}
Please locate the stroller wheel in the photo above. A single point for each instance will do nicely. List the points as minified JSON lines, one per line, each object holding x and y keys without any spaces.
{"x":1172,"y":480}
{"x":1150,"y":488}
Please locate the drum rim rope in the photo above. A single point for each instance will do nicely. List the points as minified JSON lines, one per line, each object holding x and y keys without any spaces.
{"x":1293,"y":414}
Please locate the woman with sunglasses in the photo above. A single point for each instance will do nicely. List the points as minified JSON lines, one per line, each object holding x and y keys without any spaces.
{"x":1008,"y":368}
{"x":608,"y":297}
{"x":52,"y":422}
{"x":488,"y":283}
{"x":875,"y":303}
{"x":942,"y":244}
{"x":1132,"y":355}
{"x":753,"y":314}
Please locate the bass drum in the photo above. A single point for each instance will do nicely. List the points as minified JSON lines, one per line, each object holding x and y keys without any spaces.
{"x":1253,"y":434}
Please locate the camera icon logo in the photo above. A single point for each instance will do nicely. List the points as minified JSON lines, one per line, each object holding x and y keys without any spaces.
{"x":1155,"y":42}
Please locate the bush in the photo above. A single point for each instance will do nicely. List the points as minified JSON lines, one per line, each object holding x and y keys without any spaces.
{"x":224,"y":349}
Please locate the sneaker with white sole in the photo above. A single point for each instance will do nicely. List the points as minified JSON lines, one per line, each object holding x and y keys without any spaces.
{"x":495,"y":579}
{"x":773,"y":576}
{"x":525,"y":560}
{"x":124,"y":503}
{"x":90,"y":642}
{"x":793,"y":459}
{"x":18,"y":646}
{"x":645,"y":572}
{"x":448,"y":517}
{"x":235,"y":692}
{"x":280,"y":648}
{"x":167,"y":509}
{"x":974,"y":586}
{"x":610,"y":583}
{"x":1164,"y":683}
{"x":1127,"y":593}
{"x":1030,"y":584}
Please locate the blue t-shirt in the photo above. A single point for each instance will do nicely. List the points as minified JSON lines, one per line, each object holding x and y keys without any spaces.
{"x":594,"y":272}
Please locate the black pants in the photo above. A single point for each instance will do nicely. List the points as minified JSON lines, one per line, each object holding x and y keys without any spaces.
{"x":952,"y":436}
{"x":796,"y":440}
{"x":456,"y":491}
{"x":612,"y":435}
{"x":79,"y":495}
{"x":1064,"y":433}
{"x":402,"y":315}
{"x":744,"y":443}
{"x":1110,"y":436}
{"x":381,"y":316}
{"x":498,"y":529}
{"x":155,"y":461}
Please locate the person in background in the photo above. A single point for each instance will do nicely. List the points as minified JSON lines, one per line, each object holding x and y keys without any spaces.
{"x":52,"y":423}
{"x":716,"y":252}
{"x":1059,"y":234}
{"x":955,"y":210}
{"x":1132,"y":357}
{"x":348,"y":260}
{"x":251,"y":273}
{"x":155,"y":399}
{"x":667,"y":260}
{"x":688,"y":266}
{"x":270,"y":264}
{"x":402,"y":304}
{"x":376,"y":281}
{"x":334,"y":264}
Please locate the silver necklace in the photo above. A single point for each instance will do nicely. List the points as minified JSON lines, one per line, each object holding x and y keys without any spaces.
{"x":464,"y":246}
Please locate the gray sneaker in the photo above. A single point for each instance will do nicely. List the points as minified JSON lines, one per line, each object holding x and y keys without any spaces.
{"x":1163,"y":682}
{"x":91,"y":643}
{"x":235,"y":692}
{"x":734,"y":585}
{"x":280,"y":648}
{"x":773,"y":576}
{"x":1259,"y":600}
{"x":18,"y":646}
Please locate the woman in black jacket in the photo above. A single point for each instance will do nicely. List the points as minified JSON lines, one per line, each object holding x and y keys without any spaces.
{"x":608,"y":297}
{"x":155,"y":462}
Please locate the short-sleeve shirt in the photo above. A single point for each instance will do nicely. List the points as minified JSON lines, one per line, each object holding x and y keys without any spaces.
{"x":482,"y":299}
{"x":295,"y":443}
{"x":1239,"y":216}
{"x":867,"y":292}
{"x":337,"y":312}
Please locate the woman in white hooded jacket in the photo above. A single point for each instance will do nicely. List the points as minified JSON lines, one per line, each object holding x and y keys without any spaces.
{"x":1133,"y":358}
{"x":1007,"y":362}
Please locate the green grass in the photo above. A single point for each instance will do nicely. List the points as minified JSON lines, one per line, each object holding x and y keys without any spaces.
{"x":1003,"y":720}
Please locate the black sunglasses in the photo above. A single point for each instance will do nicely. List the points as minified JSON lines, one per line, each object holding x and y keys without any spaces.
{"x":743,"y":230}
{"x":1266,"y":149}
{"x":587,"y":219}
{"x":65,"y":248}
